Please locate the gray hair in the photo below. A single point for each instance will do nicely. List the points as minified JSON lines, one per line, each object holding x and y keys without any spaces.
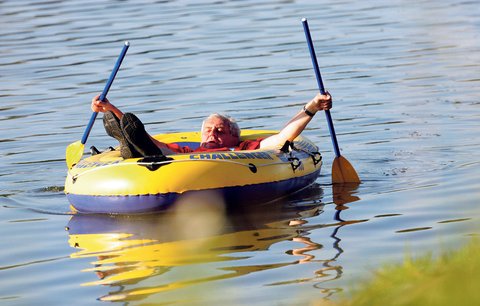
{"x":232,"y":124}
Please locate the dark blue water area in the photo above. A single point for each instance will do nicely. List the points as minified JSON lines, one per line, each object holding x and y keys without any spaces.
{"x":404,"y":81}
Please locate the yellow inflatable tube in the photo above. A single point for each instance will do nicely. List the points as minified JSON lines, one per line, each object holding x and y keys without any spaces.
{"x":107,"y":183}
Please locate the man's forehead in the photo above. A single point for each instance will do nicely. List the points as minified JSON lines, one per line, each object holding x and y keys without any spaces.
{"x":217,"y":122}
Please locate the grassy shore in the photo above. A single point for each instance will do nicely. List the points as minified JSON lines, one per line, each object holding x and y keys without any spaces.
{"x":450,"y":279}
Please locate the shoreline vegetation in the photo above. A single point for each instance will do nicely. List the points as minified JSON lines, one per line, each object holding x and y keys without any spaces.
{"x":452,"y":278}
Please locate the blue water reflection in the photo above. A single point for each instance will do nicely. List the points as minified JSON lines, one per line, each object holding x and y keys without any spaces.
{"x":404,"y":79}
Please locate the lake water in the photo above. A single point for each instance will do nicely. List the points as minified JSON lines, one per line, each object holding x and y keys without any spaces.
{"x":405,"y":82}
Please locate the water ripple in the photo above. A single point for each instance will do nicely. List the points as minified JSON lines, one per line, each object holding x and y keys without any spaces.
{"x":405,"y":110}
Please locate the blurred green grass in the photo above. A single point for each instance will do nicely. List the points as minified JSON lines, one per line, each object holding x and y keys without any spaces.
{"x":453,"y":278}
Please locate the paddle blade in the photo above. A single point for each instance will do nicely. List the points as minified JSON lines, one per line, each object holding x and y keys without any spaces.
{"x":343,"y":171}
{"x":74,"y":153}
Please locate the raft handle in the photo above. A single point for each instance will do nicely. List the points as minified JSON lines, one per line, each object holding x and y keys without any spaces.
{"x":154,"y":162}
{"x":286,"y":146}
{"x":316,"y":156}
{"x":94,"y":150}
{"x":294,"y":162}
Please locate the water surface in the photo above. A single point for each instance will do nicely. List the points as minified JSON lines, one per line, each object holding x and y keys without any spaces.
{"x":404,"y":77}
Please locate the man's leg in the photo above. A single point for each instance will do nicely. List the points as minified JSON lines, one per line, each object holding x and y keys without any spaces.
{"x":135,"y":133}
{"x":113,"y":129}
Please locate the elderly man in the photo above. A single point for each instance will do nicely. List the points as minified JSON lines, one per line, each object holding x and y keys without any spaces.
{"x":219,"y":132}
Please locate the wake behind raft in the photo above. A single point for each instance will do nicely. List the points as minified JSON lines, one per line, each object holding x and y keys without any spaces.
{"x":107,"y":183}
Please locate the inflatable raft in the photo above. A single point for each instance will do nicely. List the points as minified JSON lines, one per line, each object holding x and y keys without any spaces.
{"x":107,"y":183}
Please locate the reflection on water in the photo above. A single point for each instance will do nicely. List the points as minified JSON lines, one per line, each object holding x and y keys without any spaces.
{"x":344,"y":193}
{"x":197,"y":242}
{"x":405,"y":84}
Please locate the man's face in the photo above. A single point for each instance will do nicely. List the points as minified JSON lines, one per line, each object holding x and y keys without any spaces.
{"x":216,"y":134}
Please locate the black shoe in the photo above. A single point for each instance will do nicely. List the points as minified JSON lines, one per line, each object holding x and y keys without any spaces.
{"x":113,"y":129}
{"x":135,"y":133}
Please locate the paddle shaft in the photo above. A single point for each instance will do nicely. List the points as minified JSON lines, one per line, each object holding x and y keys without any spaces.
{"x":103,"y":95}
{"x":333,"y":136}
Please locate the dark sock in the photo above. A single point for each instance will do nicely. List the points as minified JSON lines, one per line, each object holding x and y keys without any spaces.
{"x":113,"y":129}
{"x":135,"y":133}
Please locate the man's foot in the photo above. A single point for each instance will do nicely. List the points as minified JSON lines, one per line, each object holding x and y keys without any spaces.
{"x":113,"y":129}
{"x":135,"y":133}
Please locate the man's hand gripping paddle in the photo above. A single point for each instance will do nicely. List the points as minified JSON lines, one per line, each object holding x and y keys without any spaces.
{"x":342,"y":170}
{"x":74,"y":151}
